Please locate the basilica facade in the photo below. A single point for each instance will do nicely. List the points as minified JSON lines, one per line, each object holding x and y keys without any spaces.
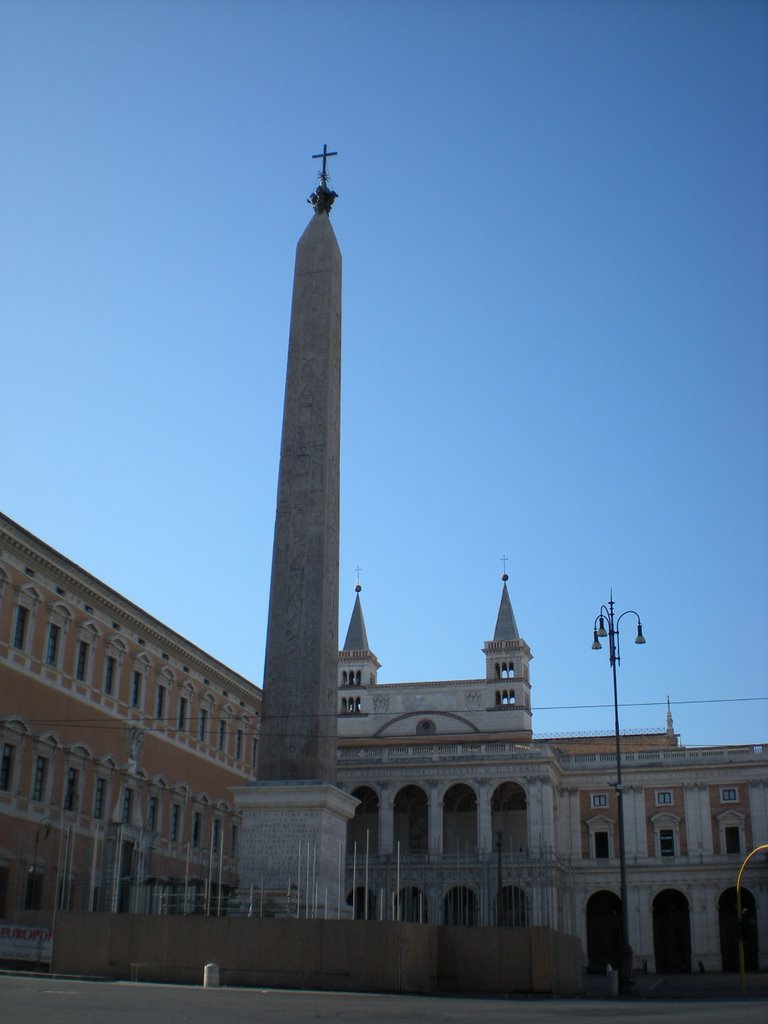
{"x":466,"y":819}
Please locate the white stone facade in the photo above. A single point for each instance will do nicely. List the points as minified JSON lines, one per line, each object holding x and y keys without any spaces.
{"x":458,"y":801}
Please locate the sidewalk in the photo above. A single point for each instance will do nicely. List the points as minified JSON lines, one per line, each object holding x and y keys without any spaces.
{"x":682,"y":986}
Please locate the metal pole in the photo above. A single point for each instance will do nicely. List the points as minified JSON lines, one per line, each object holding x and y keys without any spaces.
{"x":625,"y":970}
{"x":367,"y":851}
{"x":499,"y":887}
{"x":740,"y":919}
{"x":354,"y":881}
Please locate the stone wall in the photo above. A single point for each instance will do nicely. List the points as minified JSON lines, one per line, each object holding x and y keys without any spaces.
{"x":355,"y":956}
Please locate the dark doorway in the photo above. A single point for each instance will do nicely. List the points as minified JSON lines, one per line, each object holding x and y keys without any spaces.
{"x":413,"y":905}
{"x":358,"y":900}
{"x":671,"y":933}
{"x":603,"y":931}
{"x":460,"y":906}
{"x":514,"y":908}
{"x":729,"y":931}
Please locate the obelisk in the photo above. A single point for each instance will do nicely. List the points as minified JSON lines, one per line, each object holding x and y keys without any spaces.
{"x":294,"y":814}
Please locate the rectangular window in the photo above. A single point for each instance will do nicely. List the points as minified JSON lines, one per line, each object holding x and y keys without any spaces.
{"x":239,"y":744}
{"x":136,"y":689}
{"x":20,"y":628}
{"x":663,"y":796}
{"x":99,"y":794}
{"x":181,"y":721}
{"x":70,"y":789}
{"x":160,"y":702}
{"x":728,"y":796}
{"x":601,"y":844}
{"x":196,"y":822}
{"x":175,"y":819}
{"x":202,"y":725}
{"x":233,"y":841}
{"x":666,"y":842}
{"x":6,"y":766}
{"x":216,"y":835}
{"x":53,"y":644}
{"x":222,"y":736}
{"x":254,"y":753}
{"x":82,"y":660}
{"x":41,"y":772}
{"x":127,"y":805}
{"x":599,"y":799}
{"x":152,"y":814}
{"x":732,"y":839}
{"x":110,"y":667}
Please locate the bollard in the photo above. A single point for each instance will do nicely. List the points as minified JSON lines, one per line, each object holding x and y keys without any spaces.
{"x":613,"y":981}
{"x":211,"y":976}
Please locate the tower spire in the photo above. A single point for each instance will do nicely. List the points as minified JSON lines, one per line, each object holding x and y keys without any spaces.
{"x":357,"y":638}
{"x":506,"y":627}
{"x":670,"y":723}
{"x":358,"y":664}
{"x":507,"y":659}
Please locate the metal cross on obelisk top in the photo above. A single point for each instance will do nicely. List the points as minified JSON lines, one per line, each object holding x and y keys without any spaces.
{"x":324,"y":155}
{"x":323,"y":196}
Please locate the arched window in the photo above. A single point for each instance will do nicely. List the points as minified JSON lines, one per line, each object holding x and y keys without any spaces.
{"x":363,"y":829}
{"x":460,"y":907}
{"x":460,"y":820}
{"x":514,"y":908}
{"x":411,"y":818}
{"x":509,"y":813}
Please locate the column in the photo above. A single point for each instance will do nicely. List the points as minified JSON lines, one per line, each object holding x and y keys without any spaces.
{"x":485,"y":837}
{"x":386,"y":818}
{"x":435,"y":823}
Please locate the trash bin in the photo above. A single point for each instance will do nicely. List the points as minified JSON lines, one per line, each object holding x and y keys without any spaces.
{"x":211,"y":976}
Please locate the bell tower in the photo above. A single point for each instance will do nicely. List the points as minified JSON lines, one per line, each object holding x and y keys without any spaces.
{"x":507,"y":661}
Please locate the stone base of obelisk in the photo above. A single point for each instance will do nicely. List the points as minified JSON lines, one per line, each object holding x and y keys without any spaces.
{"x":292,"y":849}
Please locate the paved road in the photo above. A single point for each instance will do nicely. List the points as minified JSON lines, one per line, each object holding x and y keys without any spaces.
{"x":26,"y":1000}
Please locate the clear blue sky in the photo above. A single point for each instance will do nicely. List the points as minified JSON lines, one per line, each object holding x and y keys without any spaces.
{"x":555,"y":232}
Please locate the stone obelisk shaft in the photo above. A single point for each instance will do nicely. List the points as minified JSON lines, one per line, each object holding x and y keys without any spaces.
{"x":298,"y":729}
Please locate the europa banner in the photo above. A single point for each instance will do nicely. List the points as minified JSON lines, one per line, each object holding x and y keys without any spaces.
{"x":24,"y":942}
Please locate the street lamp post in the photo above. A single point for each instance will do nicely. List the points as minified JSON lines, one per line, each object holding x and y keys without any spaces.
{"x":607,"y":615}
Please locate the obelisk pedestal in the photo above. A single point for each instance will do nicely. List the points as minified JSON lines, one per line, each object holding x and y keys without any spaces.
{"x":294,"y":814}
{"x":293,"y":847}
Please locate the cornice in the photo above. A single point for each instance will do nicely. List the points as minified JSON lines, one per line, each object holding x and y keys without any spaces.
{"x":92,"y":591}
